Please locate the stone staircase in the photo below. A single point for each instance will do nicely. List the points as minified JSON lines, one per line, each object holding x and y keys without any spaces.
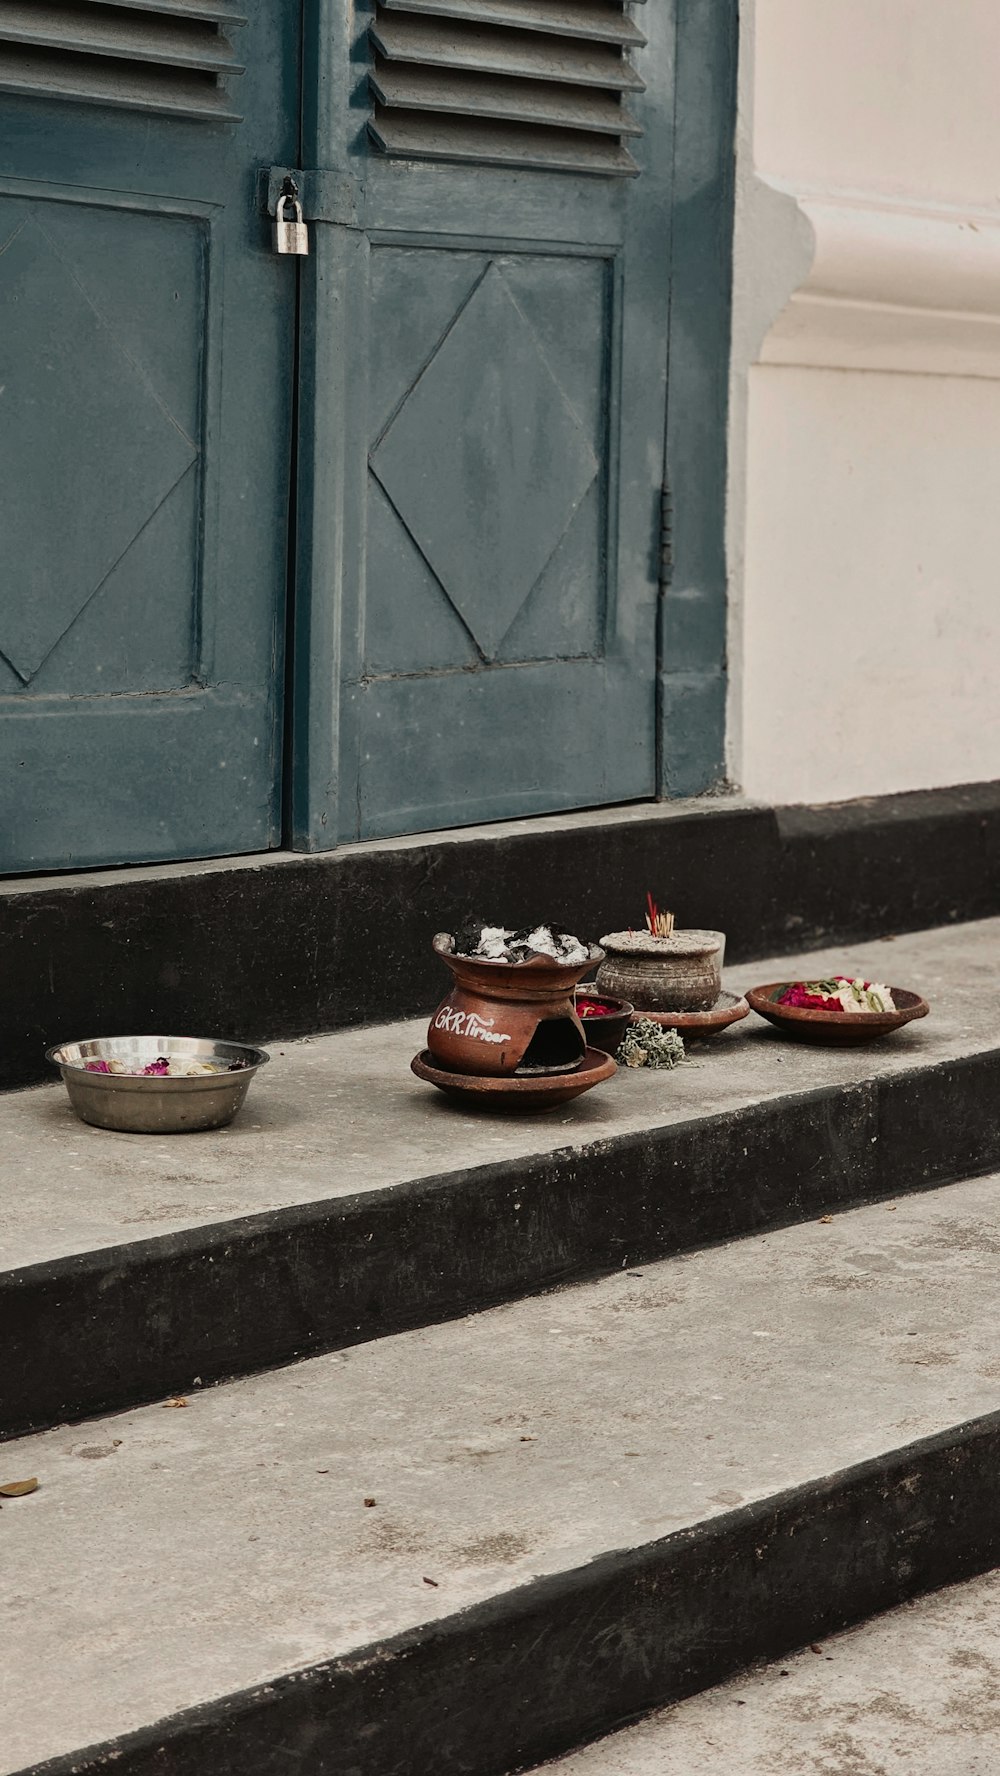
{"x":443,"y":1513}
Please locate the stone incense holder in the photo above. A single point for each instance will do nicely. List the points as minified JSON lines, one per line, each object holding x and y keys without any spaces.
{"x":679,"y":972}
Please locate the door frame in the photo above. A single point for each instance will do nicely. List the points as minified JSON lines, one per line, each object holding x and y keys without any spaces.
{"x":693,"y":665}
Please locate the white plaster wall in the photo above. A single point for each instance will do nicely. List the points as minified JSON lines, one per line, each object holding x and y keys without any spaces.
{"x":893,"y":96}
{"x":864,"y":515}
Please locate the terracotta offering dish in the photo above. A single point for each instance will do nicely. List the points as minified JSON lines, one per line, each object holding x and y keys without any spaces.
{"x":156,"y":1085}
{"x":604,"y":1018}
{"x":695,"y":1026}
{"x":510,"y":1009}
{"x":511,"y":1092}
{"x":833,"y":1025}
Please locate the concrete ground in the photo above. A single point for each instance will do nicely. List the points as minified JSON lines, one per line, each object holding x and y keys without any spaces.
{"x":174,"y":1554}
{"x":915,"y":1692}
{"x":341,"y":1114}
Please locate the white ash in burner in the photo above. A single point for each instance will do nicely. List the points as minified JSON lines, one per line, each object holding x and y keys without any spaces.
{"x":498,"y":943}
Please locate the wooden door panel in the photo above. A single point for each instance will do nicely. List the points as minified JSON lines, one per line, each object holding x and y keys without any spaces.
{"x":489,"y":457}
{"x":498,"y":467}
{"x":454,"y":735}
{"x":86,"y":415}
{"x":146,"y":354}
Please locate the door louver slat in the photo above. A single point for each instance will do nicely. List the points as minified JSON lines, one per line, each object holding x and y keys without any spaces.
{"x":170,"y":58}
{"x":533,"y":83}
{"x":522,"y":101}
{"x":604,"y":24}
{"x":219,"y":12}
{"x":502,"y":52}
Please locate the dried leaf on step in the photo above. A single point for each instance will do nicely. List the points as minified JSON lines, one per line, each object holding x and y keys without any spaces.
{"x":16,"y":1489}
{"x":826,"y":1220}
{"x":178,"y":1400}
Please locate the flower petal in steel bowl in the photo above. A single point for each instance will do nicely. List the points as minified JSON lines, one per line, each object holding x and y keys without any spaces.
{"x":156,"y":1085}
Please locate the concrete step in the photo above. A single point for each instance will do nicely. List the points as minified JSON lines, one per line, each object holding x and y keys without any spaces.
{"x":914,"y":1692}
{"x":349,"y":1201}
{"x":469,"y":1547}
{"x":289,"y":945}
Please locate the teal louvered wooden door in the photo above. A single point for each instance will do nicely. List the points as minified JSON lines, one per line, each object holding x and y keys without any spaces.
{"x":146,"y":360}
{"x":485,"y":358}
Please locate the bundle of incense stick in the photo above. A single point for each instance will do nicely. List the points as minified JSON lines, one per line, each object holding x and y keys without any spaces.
{"x":660,"y":924}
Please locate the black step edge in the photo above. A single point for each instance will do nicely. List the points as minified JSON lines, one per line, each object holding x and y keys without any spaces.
{"x":112,"y":1328}
{"x":528,"y":1675}
{"x":271,"y":948}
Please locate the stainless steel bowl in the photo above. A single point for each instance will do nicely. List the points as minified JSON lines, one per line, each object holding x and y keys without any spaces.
{"x":153,"y":1106}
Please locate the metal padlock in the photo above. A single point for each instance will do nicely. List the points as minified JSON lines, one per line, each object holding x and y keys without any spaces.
{"x":293,"y":236}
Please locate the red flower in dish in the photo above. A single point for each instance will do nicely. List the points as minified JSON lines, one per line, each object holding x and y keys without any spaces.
{"x":593,"y":1008}
{"x":801,"y":998}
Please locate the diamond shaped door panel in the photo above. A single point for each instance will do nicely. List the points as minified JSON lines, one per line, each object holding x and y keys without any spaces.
{"x":92,"y":454}
{"x":487,"y":462}
{"x":486,"y":662}
{"x":490,"y":678}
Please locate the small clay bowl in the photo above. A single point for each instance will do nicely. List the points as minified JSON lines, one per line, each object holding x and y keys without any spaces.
{"x":506,"y":1092}
{"x":837,"y":1029}
{"x":604,"y":1032}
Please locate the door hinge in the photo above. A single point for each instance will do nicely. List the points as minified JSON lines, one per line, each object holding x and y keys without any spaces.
{"x":325,"y":196}
{"x":666,"y":536}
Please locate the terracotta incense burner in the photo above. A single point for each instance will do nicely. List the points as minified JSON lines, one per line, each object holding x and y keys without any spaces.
{"x":508,"y":1017}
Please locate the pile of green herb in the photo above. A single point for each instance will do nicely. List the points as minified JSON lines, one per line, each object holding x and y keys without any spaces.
{"x":646,"y":1044}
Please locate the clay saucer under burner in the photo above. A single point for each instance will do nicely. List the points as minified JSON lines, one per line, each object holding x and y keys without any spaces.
{"x":695,"y":1025}
{"x":505,"y":1091}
